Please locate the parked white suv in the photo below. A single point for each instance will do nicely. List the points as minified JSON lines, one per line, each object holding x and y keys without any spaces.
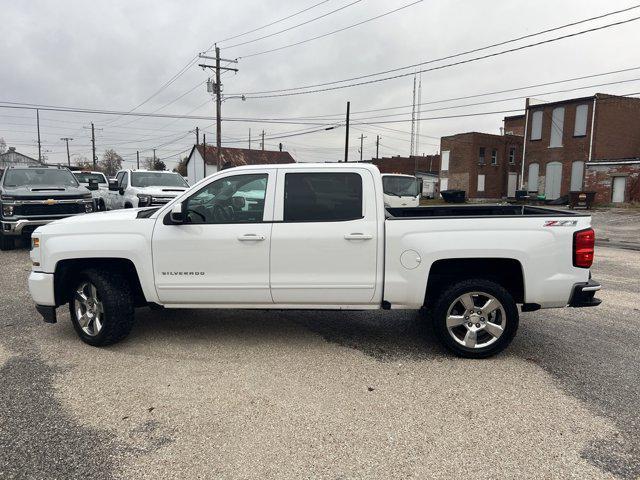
{"x":308,"y":236}
{"x":144,"y":188}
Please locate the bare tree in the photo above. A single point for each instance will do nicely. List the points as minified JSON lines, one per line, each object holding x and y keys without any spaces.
{"x":111,"y":162}
{"x":150,"y":164}
{"x":181,"y":168}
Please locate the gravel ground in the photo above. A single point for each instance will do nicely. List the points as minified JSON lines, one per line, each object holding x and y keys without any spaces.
{"x":248,"y":394}
{"x":618,"y":227}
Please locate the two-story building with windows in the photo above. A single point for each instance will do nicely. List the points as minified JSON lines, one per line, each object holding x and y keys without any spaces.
{"x":582,"y":144}
{"x":482,"y":164}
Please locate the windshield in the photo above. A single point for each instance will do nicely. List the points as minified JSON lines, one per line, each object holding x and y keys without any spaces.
{"x":157,"y":179}
{"x":84,"y":177}
{"x":18,"y":177}
{"x":400,"y":186}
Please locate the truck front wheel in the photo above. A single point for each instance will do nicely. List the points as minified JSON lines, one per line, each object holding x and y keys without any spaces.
{"x":102,"y":307}
{"x":475,"y":318}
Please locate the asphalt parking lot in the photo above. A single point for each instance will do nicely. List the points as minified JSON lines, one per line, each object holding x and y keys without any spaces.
{"x":253,"y":394}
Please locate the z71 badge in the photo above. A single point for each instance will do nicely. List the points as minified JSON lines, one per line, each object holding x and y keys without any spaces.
{"x":560,"y":223}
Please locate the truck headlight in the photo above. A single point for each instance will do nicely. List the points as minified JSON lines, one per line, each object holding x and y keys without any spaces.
{"x":88,"y":207}
{"x":7,"y":210}
{"x":144,"y":200}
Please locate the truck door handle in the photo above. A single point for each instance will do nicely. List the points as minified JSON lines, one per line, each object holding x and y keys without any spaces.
{"x":358,"y":236}
{"x":251,"y":237}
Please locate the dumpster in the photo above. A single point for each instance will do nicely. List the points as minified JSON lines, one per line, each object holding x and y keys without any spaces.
{"x":581,"y":199}
{"x":454,"y":196}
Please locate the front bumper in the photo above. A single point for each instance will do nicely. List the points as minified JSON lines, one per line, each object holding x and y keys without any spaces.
{"x":583,"y":294}
{"x":23,"y":226}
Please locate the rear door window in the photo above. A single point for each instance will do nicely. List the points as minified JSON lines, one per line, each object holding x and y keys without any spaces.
{"x":322,"y":197}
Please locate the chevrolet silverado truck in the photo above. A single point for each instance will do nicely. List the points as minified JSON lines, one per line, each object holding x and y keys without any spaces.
{"x":308,"y":236}
{"x":34,"y":196}
{"x":144,"y":188}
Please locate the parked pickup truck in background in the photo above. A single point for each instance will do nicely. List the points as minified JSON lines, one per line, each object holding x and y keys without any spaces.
{"x":144,"y":188}
{"x":400,"y":190}
{"x":97,"y":184}
{"x":34,"y":196}
{"x":314,"y":237}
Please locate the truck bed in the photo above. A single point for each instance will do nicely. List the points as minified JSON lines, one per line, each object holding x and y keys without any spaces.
{"x":474,"y":211}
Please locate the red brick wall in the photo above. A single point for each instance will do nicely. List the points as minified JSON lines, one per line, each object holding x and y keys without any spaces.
{"x":515,"y":125}
{"x":573,"y":148}
{"x":617,"y":132}
{"x":464,"y":166}
{"x":599,"y":178}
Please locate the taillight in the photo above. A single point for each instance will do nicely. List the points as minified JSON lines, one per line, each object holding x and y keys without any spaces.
{"x":583,"y":248}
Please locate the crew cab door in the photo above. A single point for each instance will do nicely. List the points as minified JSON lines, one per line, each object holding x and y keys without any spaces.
{"x":116,"y":199}
{"x":325,"y":238}
{"x":221,"y":255}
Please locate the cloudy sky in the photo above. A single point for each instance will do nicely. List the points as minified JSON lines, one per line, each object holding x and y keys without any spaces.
{"x":115,"y":55}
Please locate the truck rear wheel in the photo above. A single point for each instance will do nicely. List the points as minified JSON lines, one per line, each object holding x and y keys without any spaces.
{"x":102,"y":307}
{"x":475,"y":318}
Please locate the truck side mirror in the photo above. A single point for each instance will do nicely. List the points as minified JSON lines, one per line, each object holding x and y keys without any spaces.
{"x":93,"y":184}
{"x":177,"y":214}
{"x":113,"y":185}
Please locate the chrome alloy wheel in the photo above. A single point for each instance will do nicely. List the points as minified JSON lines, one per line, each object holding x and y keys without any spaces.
{"x":88,"y":309}
{"x":476,"y":320}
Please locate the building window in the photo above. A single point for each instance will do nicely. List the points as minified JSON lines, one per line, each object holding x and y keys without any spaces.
{"x":512,"y":155}
{"x":536,"y":125}
{"x":481,"y":156}
{"x":494,"y":157}
{"x":480,"y":183}
{"x":445,"y":160}
{"x":557,"y":126}
{"x":580,"y":128}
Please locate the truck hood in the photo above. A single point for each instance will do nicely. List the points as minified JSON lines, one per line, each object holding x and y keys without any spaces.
{"x":91,"y":221}
{"x":36,"y":192}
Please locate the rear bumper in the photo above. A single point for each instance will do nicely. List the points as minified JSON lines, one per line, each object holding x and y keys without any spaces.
{"x":583,"y":294}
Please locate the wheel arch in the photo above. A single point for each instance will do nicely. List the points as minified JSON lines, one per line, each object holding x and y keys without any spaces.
{"x":507,"y":272}
{"x":67,"y":272}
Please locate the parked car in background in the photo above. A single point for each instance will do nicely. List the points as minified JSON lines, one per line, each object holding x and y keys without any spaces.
{"x":305,"y":236}
{"x":400,"y":190}
{"x":144,"y":188}
{"x":97,"y":183}
{"x":34,"y":196}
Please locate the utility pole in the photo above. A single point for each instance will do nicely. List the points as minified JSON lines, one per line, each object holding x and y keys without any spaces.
{"x":39,"y":143}
{"x":249,"y":139}
{"x":197,"y":136}
{"x":153,"y":166}
{"x":346,"y":139}
{"x":218,"y":92}
{"x":93,"y":145}
{"x":137,"y":159}
{"x":66,"y":139}
{"x":377,"y":145}
{"x":362,"y":137}
{"x":413,"y":120}
{"x":418,"y":114}
{"x":262,"y":144}
{"x":280,"y":146}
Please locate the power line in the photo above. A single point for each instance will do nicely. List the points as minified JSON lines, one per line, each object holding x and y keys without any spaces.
{"x":267,"y":25}
{"x":227,"y":47}
{"x":331,"y":33}
{"x":448,"y":57}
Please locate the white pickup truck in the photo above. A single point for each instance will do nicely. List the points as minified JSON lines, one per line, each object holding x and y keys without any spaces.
{"x":311,"y":236}
{"x":400,"y":190}
{"x":144,"y":188}
{"x":97,"y":183}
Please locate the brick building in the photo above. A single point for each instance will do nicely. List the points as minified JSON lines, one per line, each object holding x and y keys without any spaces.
{"x":514,"y":125}
{"x":482,"y":164}
{"x":588,"y":143}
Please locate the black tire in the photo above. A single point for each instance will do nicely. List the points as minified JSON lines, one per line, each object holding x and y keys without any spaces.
{"x":128,"y":205}
{"x":7,"y":243}
{"x":446,"y":301}
{"x":115,"y":294}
